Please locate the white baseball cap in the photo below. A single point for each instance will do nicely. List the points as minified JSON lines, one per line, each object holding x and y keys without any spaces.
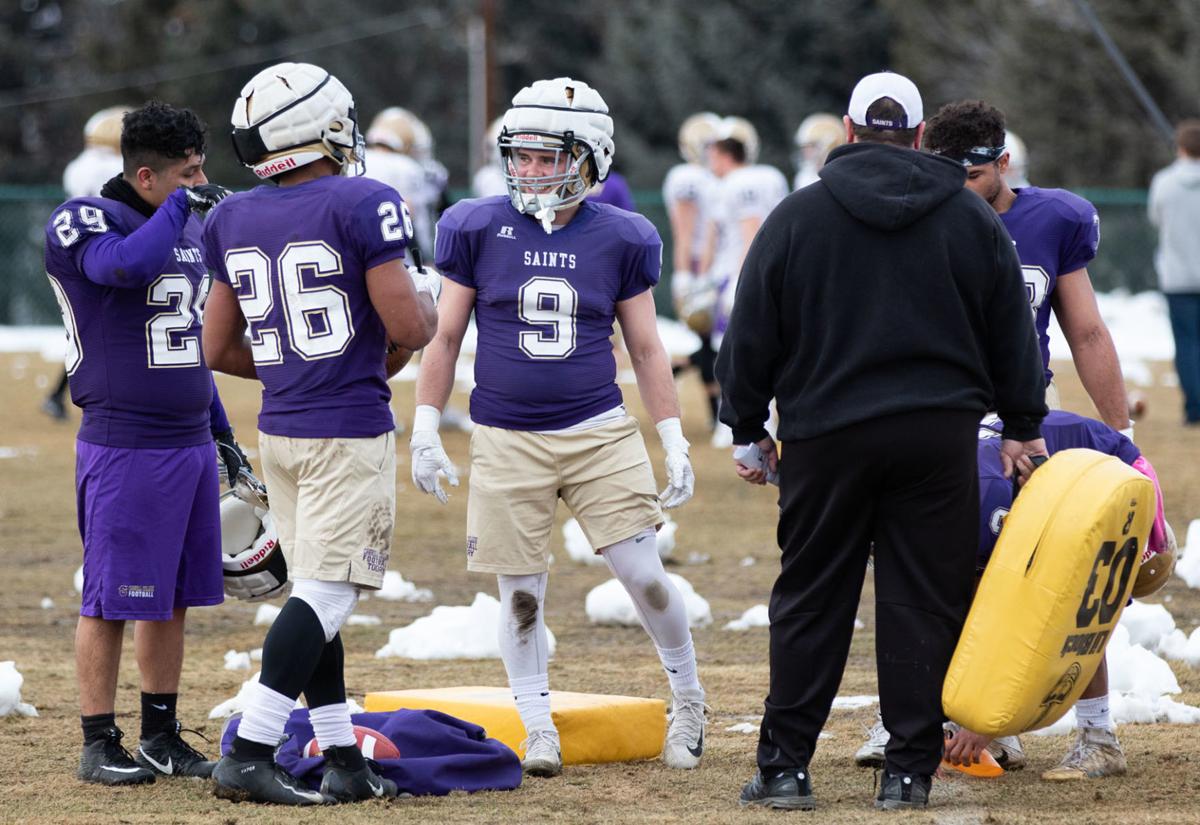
{"x":886,"y":84}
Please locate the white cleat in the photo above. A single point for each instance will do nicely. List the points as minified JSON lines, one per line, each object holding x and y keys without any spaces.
{"x":543,"y":754}
{"x":1008,"y":752}
{"x":685,"y":733}
{"x":871,"y":754}
{"x":1096,"y":753}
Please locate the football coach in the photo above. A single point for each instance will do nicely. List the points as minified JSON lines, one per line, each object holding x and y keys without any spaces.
{"x":883,"y":308}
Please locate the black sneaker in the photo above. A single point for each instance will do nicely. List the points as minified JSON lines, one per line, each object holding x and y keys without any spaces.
{"x":166,"y":753}
{"x":106,"y":762}
{"x":351,"y":784}
{"x":786,"y":790}
{"x":261,"y":780}
{"x":903,"y":790}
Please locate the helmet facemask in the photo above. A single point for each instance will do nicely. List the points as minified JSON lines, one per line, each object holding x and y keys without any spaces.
{"x":542,"y":196}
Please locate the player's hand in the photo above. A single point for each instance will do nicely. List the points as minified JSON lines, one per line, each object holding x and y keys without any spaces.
{"x":427,"y":280}
{"x":231,"y":460}
{"x":965,"y":747}
{"x":1023,"y":457}
{"x":429,"y":460}
{"x":681,"y":479}
{"x":757,"y":463}
{"x":205,"y":196}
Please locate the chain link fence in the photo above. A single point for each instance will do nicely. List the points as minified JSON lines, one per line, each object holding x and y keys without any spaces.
{"x":1125,"y":260}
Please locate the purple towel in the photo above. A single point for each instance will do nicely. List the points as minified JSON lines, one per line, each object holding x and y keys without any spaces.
{"x":438,"y":753}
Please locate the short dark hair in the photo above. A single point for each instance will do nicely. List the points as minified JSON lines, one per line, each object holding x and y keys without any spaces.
{"x":1187,"y":135}
{"x":732,"y":147}
{"x":959,"y":127}
{"x":158,"y":133}
{"x":886,"y":109}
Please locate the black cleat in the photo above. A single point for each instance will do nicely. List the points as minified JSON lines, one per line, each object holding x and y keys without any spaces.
{"x":261,"y":780}
{"x":53,"y":406}
{"x":106,"y":762}
{"x":352,"y":779}
{"x":166,"y":753}
{"x":786,"y":790}
{"x":903,"y":790}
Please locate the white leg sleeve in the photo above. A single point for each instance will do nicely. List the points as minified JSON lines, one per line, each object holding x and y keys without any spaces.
{"x":333,"y":602}
{"x":658,"y":603}
{"x":522,"y":633}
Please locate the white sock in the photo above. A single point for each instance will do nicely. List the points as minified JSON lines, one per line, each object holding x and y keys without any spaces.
{"x":1093,"y":713}
{"x":532,"y":694}
{"x":680,"y":665}
{"x":266,"y":714}
{"x":332,"y":726}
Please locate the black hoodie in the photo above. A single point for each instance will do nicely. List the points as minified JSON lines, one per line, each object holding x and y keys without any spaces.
{"x":883,"y":288}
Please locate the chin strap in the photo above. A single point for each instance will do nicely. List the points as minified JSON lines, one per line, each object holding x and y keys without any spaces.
{"x":546,"y":216}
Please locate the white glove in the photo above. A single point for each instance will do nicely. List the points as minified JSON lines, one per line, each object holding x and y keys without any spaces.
{"x":681,"y":481}
{"x":429,"y":458}
{"x":427,"y":279}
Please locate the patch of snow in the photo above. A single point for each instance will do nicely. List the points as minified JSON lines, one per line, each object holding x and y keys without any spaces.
{"x":1187,"y":567}
{"x":10,"y":692}
{"x":237,"y":661}
{"x":47,"y":603}
{"x":854,"y":702}
{"x":78,"y":579}
{"x":754,"y":617}
{"x":363,"y":619}
{"x":458,"y":632}
{"x":396,"y":589}
{"x":266,"y":615}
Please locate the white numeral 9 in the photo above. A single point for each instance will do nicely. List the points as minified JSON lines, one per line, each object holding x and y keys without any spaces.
{"x":549,"y":303}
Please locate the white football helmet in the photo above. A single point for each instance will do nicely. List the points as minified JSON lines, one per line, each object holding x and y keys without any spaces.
{"x":103,"y":129}
{"x":396,"y":129}
{"x":564,"y":116}
{"x":696,"y":133}
{"x":743,"y":131}
{"x":1017,"y":175}
{"x":253,"y":561}
{"x":817,"y":136}
{"x":293,"y":114}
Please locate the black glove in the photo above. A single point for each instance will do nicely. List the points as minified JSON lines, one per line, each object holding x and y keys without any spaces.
{"x":231,"y":459}
{"x":205,"y":196}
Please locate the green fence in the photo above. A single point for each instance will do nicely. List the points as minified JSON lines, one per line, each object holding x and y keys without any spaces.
{"x":1125,"y":259}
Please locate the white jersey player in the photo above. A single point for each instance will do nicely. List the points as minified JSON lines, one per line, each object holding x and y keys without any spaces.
{"x":395,"y":138}
{"x":817,"y":136}
{"x":488,"y":179}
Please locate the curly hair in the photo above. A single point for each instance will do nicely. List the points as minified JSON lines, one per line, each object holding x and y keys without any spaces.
{"x":158,"y":133}
{"x":959,"y":127}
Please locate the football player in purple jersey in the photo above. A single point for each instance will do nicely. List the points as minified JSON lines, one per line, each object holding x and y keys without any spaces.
{"x":311,"y":264}
{"x":1056,"y":234}
{"x":128,"y":275}
{"x":546,"y":273}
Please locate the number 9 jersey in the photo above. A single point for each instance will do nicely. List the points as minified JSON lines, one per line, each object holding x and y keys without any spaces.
{"x":133,"y":339}
{"x":297,"y":258}
{"x":545,"y":306}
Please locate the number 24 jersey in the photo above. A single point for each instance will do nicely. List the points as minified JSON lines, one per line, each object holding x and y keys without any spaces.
{"x":545,"y":306}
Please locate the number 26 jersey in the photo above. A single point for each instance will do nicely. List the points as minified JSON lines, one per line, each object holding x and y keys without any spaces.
{"x":297,"y":258}
{"x":545,"y":306}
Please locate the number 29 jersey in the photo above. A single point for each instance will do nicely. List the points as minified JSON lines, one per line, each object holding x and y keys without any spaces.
{"x":297,"y":258}
{"x":133,"y":352}
{"x":545,"y":306}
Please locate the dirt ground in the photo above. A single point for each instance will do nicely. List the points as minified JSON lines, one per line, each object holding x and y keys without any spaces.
{"x":726,"y":522}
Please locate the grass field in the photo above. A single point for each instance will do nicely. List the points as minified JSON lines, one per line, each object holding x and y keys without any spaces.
{"x":727,"y":521}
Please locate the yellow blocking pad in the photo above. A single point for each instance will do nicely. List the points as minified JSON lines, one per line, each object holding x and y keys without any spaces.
{"x":1056,"y":584}
{"x":593,"y":727}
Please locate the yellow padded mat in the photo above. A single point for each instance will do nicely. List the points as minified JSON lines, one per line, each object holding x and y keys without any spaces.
{"x":593,"y":727}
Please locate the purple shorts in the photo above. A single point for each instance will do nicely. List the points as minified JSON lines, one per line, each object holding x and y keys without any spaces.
{"x":151,"y":528}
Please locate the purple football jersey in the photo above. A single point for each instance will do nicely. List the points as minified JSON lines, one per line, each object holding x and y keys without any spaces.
{"x":545,"y":306}
{"x":615,"y":191}
{"x":297,"y":257}
{"x":133,"y":352}
{"x":1062,"y":431}
{"x":1055,"y":233}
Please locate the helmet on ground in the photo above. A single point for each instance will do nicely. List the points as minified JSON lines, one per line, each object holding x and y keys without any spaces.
{"x":293,"y":114}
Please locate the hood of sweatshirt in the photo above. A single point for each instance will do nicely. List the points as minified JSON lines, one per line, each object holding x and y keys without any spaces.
{"x":888,"y":187}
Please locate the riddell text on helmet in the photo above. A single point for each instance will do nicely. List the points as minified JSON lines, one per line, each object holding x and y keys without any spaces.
{"x":274,"y":168}
{"x":259,"y":556}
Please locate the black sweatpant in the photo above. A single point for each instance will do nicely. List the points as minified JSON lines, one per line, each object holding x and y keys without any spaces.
{"x":908,"y":485}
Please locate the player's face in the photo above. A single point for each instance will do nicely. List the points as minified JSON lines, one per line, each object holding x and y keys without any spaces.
{"x":540,"y":163}
{"x":185,"y":171}
{"x":985,"y":181}
{"x":719,"y":163}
